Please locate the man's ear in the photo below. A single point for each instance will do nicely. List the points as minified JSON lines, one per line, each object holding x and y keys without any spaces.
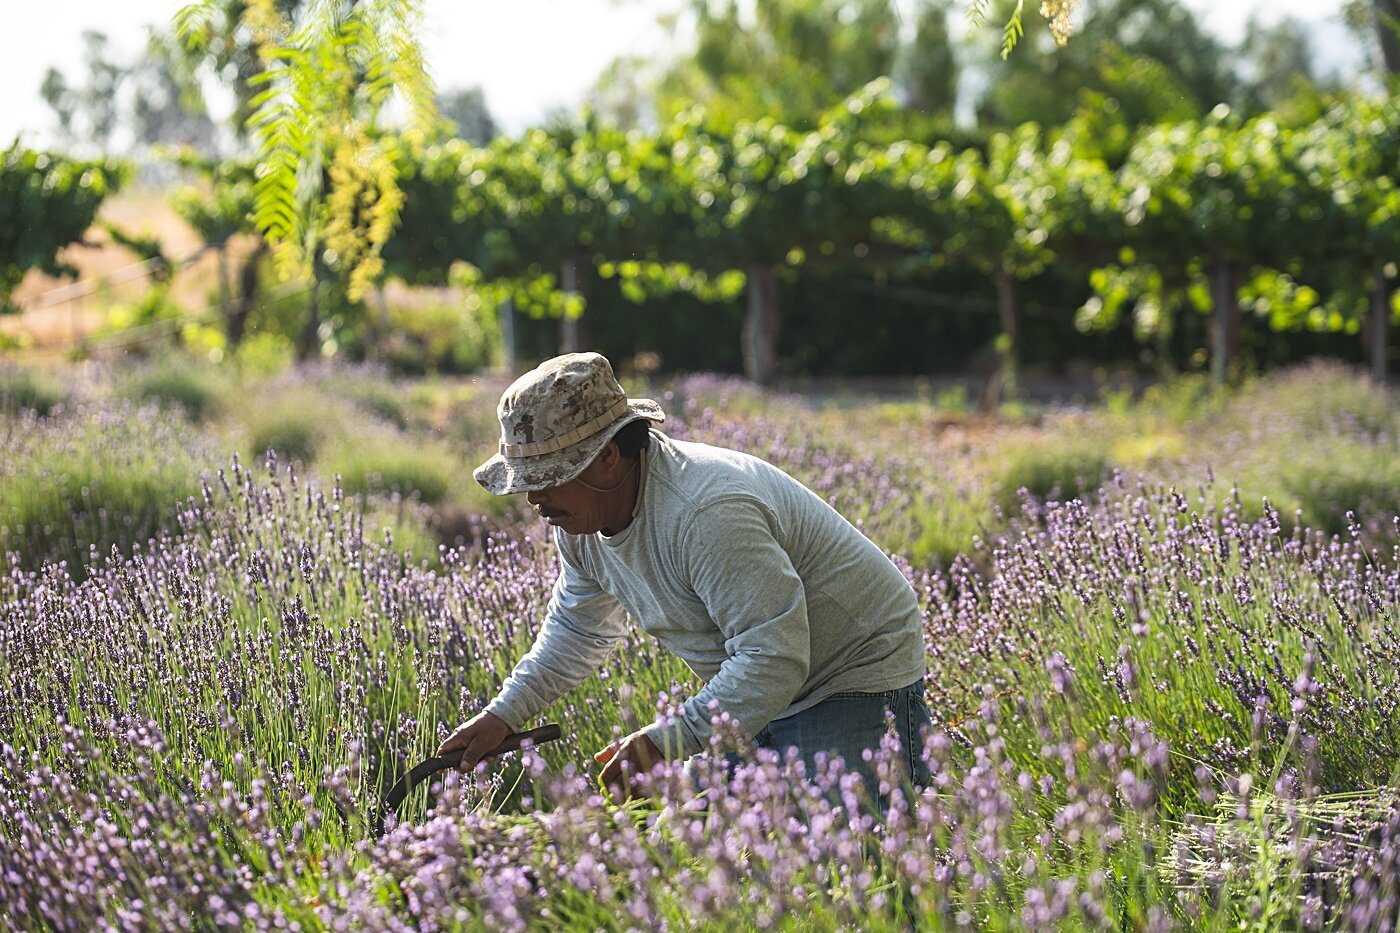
{"x":612,"y":457}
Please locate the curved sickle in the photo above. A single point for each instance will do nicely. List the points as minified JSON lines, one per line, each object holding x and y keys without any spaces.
{"x":426,"y":769}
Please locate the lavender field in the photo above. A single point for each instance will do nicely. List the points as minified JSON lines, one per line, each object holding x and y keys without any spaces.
{"x":1162,"y":637}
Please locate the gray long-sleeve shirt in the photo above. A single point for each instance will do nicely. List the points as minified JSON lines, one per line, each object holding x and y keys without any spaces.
{"x":772,"y":598}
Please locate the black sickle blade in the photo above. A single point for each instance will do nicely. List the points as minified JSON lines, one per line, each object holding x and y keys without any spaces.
{"x":426,"y":769}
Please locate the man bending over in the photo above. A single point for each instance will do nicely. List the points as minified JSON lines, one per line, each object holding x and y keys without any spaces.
{"x":798,"y":626}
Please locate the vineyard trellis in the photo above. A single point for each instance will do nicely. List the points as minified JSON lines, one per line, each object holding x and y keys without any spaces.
{"x":1297,"y":226}
{"x":1208,"y":217}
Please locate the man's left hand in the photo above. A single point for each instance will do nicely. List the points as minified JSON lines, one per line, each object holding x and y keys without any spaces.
{"x":624,"y":760}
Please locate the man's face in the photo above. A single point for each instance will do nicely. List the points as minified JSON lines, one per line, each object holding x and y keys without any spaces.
{"x":571,"y":506}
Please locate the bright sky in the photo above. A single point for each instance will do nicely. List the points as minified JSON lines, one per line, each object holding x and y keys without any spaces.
{"x":529,"y":56}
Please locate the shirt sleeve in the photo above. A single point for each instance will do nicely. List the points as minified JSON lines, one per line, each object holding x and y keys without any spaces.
{"x":743,"y":575}
{"x":581,"y":627}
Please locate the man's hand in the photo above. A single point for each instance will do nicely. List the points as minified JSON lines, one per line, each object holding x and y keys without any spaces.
{"x":633,"y":755}
{"x":478,"y":735}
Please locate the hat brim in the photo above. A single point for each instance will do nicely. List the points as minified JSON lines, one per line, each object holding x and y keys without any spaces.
{"x":504,"y":476}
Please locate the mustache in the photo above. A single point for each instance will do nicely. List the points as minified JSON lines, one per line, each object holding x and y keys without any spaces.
{"x":544,"y":512}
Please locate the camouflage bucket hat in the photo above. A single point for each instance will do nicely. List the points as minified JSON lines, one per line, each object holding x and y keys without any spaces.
{"x":554,"y":421}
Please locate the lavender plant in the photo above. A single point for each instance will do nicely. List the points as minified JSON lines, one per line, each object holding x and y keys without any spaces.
{"x":26,"y":389}
{"x":1158,"y":706}
{"x":93,"y":477}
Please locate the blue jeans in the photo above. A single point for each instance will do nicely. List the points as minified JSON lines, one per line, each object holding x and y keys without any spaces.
{"x":846,"y":724}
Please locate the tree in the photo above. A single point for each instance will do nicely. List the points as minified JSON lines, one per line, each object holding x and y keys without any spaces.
{"x":99,"y":96}
{"x":1386,"y":17}
{"x":1279,"y":73}
{"x":624,"y":94}
{"x":790,"y":62}
{"x":1352,"y":155}
{"x":46,"y":203}
{"x":155,"y":96}
{"x":219,"y":208}
{"x":928,"y":69}
{"x":1052,"y":202}
{"x":1150,"y":60}
{"x":168,"y":105}
{"x":61,"y":100}
{"x":1212,"y":210}
{"x":767,"y":199}
{"x":87,"y":113}
{"x":327,"y":195}
{"x":687,"y":208}
{"x":228,"y":39}
{"x":532,"y":217}
{"x":466,"y":110}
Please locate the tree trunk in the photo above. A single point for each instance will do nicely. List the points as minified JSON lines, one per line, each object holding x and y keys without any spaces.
{"x":1379,"y":320}
{"x":1388,"y":32}
{"x":506,"y":315}
{"x":1224,"y":331}
{"x":574,"y":332}
{"x":236,"y":325}
{"x":1003,"y":375}
{"x":759,"y":338}
{"x":225,"y":288}
{"x":310,"y":339}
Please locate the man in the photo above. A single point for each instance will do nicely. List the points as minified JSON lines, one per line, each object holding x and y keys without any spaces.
{"x":798,"y":626}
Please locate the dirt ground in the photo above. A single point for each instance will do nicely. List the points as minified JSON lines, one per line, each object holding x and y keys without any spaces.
{"x":58,"y":313}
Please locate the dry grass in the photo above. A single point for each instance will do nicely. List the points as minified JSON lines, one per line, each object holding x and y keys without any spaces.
{"x":56,"y":318}
{"x":57,"y":324}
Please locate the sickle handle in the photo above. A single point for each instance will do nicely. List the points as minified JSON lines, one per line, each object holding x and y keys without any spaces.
{"x":422,"y":771}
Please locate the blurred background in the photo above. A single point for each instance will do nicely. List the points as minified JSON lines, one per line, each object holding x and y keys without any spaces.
{"x":794,"y":190}
{"x":1085,"y":314}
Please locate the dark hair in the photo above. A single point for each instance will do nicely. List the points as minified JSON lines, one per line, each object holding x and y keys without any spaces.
{"x":633,"y":438}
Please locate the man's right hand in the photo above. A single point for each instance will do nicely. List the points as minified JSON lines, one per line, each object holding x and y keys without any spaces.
{"x":478,"y":735}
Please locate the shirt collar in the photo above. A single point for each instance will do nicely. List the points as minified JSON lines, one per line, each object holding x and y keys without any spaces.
{"x":641,"y":483}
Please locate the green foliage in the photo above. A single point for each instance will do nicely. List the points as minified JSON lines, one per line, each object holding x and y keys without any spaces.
{"x":1289,"y":305}
{"x":688,"y":209}
{"x":92,"y":480}
{"x":179,"y":381}
{"x":789,"y":62}
{"x":446,"y":335}
{"x":262,"y":355}
{"x":362,"y":428}
{"x":1327,"y":486}
{"x":703,"y":201}
{"x":371,"y":460}
{"x":1133,"y":92}
{"x":1198,"y":190}
{"x":1179,"y":401}
{"x":46,"y":203}
{"x":949,"y":528}
{"x":23,"y":388}
{"x":293,"y":420}
{"x":142,"y":324}
{"x":326,"y":189}
{"x":222,"y":205}
{"x":1126,"y":58}
{"x":1288,"y":205}
{"x":1012,"y":32}
{"x":371,"y":392}
{"x":146,"y":246}
{"x":1068,"y":465}
{"x":847,"y":179}
{"x":1321,"y":443}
